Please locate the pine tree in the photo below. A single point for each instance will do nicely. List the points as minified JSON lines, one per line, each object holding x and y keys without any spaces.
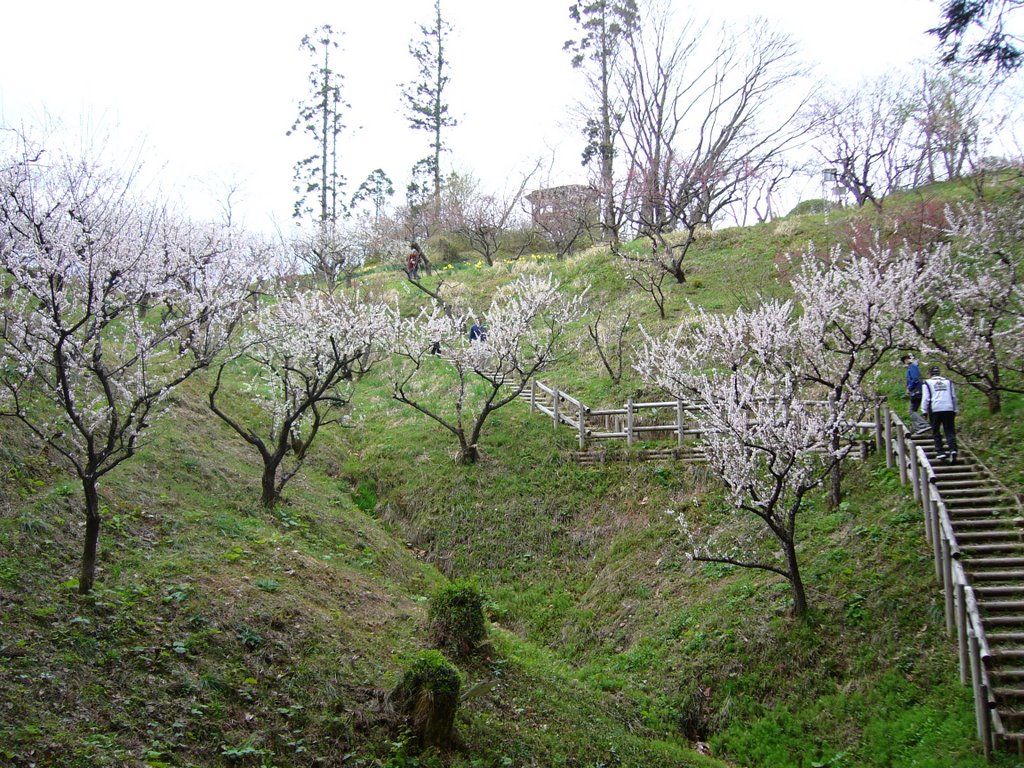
{"x":424,"y":97}
{"x":320,"y":117}
{"x":603,"y":24}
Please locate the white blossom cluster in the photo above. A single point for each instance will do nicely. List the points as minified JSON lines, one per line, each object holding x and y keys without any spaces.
{"x":108,"y":303}
{"x":779,"y":387}
{"x":305,"y":346}
{"x":523,"y":319}
{"x":523,"y":323}
{"x":978,"y":331}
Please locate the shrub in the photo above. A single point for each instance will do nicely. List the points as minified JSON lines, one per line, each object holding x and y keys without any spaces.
{"x":457,"y":617}
{"x":428,"y":696}
{"x":817,"y":205}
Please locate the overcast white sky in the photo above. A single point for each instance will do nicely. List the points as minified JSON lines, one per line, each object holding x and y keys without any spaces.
{"x":210,"y":87}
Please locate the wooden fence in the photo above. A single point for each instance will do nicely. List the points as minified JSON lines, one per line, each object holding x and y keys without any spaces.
{"x":668,"y":420}
{"x":679,"y":420}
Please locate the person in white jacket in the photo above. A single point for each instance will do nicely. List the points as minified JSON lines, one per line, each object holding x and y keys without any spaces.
{"x":939,"y":403}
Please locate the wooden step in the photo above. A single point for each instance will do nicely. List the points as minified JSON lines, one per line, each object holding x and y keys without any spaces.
{"x":1006,"y":509}
{"x":1004,"y":512}
{"x":1002,"y":533}
{"x":998,"y":590}
{"x":1006,"y":636}
{"x":997,"y":562}
{"x":1001,"y":605}
{"x":987,"y":522}
{"x":984,"y":575}
{"x":974,"y":549}
{"x":978,"y":499}
{"x":1007,"y":673}
{"x":1005,"y":654}
{"x":1004,"y":692}
{"x":974,"y":489}
{"x":1014,"y":620}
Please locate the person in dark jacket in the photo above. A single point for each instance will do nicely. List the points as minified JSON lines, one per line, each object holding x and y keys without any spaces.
{"x":918,"y":423}
{"x":939,"y":402}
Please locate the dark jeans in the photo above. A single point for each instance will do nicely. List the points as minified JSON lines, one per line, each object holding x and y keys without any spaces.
{"x":946,"y":422}
{"x":915,"y":402}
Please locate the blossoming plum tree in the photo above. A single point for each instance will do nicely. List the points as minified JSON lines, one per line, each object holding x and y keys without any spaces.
{"x":109,"y":303}
{"x":780,"y":388}
{"x":978,"y":330}
{"x":525,"y":323}
{"x":305,"y":348}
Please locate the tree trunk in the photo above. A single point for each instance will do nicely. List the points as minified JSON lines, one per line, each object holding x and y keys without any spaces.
{"x":268,"y":485}
{"x":468,"y":454}
{"x":797,"y":584}
{"x":92,"y":536}
{"x":994,"y":400}
{"x":835,"y":483}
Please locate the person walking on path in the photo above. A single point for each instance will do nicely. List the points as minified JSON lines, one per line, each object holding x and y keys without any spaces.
{"x":918,"y":424}
{"x":412,"y":262}
{"x":939,"y":402}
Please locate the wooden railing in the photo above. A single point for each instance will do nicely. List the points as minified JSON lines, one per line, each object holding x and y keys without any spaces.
{"x":640,"y":420}
{"x":665,"y":420}
{"x":624,"y":423}
{"x":962,"y":614}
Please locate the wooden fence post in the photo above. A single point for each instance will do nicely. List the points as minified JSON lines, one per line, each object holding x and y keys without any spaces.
{"x":879,"y":434}
{"x":533,"y":395}
{"x":915,"y":471}
{"x":889,"y":463}
{"x":980,"y":706}
{"x":679,"y":422}
{"x":554,"y":407}
{"x":926,"y":504}
{"x":901,"y":452}
{"x":961,"y":632}
{"x":629,"y":422}
{"x":947,"y":584}
{"x":583,"y":427}
{"x":937,"y":537}
{"x":986,"y":724}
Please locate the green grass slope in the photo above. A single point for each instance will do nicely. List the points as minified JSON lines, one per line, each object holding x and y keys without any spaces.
{"x":224,"y":634}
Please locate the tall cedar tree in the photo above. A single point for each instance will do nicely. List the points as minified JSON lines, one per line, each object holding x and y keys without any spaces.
{"x":995,"y":45}
{"x":316,"y":176}
{"x":603,"y":25}
{"x":424,"y":98}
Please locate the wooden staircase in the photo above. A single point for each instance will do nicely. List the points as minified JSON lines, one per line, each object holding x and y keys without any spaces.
{"x":987,"y":523}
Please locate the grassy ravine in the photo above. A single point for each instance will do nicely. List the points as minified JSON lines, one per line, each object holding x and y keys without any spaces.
{"x":223,"y":634}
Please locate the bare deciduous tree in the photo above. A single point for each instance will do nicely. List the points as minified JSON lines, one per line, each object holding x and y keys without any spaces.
{"x":865,"y":134}
{"x":696,"y":134}
{"x":608,"y":332}
{"x":330,"y":250}
{"x":954,"y":123}
{"x":485,"y":220}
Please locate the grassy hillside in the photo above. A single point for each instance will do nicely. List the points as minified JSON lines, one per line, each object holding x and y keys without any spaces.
{"x":224,"y":634}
